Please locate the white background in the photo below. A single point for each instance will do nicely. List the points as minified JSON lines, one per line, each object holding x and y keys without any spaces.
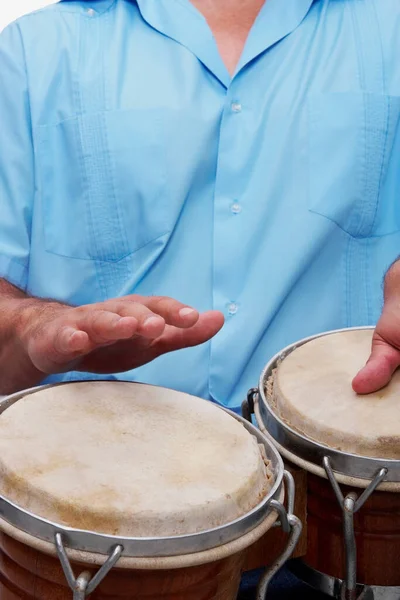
{"x":12,"y":9}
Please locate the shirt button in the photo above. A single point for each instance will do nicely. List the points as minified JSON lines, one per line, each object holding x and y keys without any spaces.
{"x":232,"y":308}
{"x":90,"y":12}
{"x":236,"y":107}
{"x":236,"y":208}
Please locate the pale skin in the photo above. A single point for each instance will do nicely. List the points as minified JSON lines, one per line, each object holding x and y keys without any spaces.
{"x":39,"y":337}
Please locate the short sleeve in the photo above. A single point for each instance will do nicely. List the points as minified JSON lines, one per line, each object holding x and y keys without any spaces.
{"x":16,"y":160}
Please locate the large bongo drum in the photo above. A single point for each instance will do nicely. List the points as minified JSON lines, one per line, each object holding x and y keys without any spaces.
{"x":117,"y":490}
{"x":349,"y":445}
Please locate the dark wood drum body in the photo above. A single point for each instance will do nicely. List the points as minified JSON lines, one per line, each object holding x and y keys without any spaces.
{"x":377,"y":530}
{"x":27,"y":574}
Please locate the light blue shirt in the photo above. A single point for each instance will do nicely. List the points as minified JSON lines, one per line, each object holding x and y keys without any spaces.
{"x":132,"y":162}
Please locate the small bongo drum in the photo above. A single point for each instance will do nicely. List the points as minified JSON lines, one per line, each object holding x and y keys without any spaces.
{"x":121,"y":490}
{"x":349,"y":445}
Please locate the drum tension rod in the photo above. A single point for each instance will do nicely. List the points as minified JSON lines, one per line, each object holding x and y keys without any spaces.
{"x":82,"y":586}
{"x":350,"y":505}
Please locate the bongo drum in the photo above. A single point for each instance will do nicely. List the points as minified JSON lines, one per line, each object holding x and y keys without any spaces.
{"x":349,"y":445}
{"x":122,"y":490}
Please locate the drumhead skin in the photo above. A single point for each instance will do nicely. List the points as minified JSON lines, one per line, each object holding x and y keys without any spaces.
{"x":129,"y":460}
{"x":311,"y":391}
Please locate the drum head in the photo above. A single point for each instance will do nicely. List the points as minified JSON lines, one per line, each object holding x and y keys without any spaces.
{"x":127,"y":459}
{"x":311,"y":392}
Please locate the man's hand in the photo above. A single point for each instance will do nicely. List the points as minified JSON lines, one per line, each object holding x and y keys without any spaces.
{"x":385,"y":352}
{"x":113,"y":336}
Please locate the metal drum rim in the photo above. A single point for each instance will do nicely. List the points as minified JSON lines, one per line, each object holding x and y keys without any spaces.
{"x":308,"y":450}
{"x":93,"y":542}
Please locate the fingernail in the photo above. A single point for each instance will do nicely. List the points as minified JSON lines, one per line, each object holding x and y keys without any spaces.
{"x":123,"y":320}
{"x":71,"y":337}
{"x":69,"y":333}
{"x":185,"y":312}
{"x":152,"y":320}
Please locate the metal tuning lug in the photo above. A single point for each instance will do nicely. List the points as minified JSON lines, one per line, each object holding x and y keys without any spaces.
{"x":291,"y":525}
{"x":248,"y":404}
{"x":350,"y":505}
{"x":83,"y":585}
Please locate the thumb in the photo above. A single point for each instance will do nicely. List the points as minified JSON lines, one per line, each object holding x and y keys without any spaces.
{"x":378,"y":371}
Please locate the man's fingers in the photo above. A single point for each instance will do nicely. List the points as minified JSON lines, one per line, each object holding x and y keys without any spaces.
{"x":173,"y":312}
{"x":381,"y":365}
{"x":208,"y":324}
{"x":59,"y":348}
{"x":105,"y":326}
{"x":149,"y":324}
{"x":70,"y":341}
{"x":90,"y":330}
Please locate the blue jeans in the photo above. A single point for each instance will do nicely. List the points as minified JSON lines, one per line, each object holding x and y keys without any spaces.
{"x":283,"y":587}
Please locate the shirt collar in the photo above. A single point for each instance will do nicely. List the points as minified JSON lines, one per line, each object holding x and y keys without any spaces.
{"x":181,"y":21}
{"x":276,"y":20}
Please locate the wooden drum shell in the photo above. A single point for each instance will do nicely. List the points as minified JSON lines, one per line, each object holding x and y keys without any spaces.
{"x":377,"y":530}
{"x":321,"y":545}
{"x":28,"y":574}
{"x":30,"y":570}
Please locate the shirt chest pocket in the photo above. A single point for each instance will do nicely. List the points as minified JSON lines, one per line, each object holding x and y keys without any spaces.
{"x":103,"y":184}
{"x":354,"y":177}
